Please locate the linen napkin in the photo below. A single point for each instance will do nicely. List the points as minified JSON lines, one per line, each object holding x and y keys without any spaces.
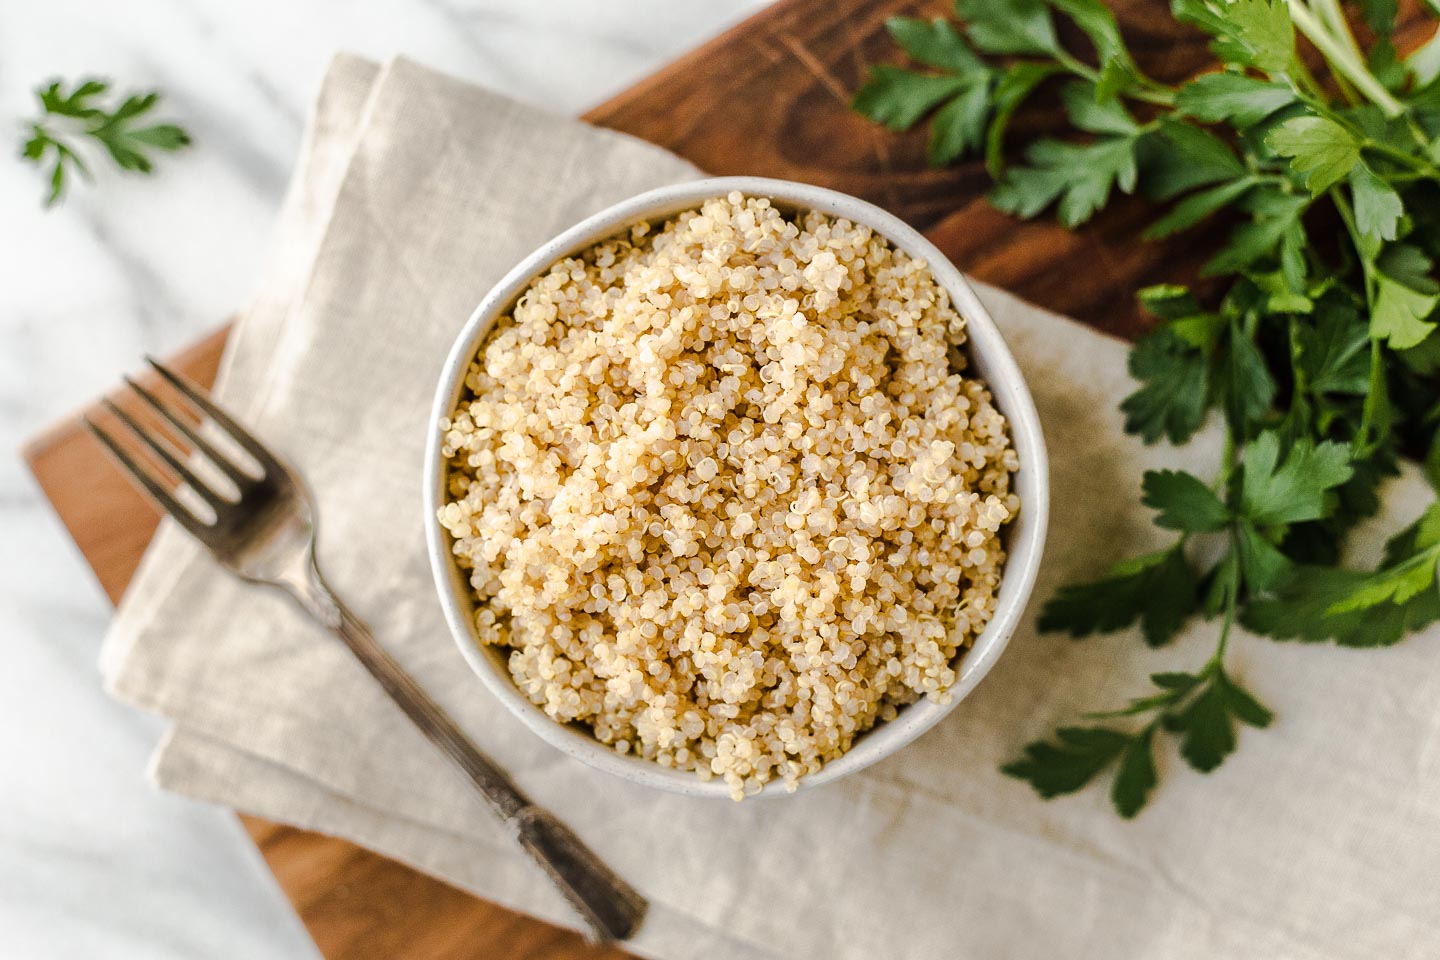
{"x":1319,"y":838}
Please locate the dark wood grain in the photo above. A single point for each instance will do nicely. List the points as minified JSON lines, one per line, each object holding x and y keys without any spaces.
{"x":770,"y":97}
{"x":357,"y":904}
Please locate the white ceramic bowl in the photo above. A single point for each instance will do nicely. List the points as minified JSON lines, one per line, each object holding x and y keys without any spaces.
{"x":990,"y":359}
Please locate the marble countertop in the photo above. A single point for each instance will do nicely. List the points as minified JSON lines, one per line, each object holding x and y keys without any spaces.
{"x":93,"y":861}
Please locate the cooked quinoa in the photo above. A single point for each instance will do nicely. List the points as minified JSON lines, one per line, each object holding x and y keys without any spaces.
{"x":724,"y":490}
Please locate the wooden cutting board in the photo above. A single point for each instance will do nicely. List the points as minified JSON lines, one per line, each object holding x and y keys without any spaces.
{"x":770,"y":97}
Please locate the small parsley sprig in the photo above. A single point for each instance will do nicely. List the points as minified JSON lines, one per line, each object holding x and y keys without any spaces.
{"x":1321,"y":363}
{"x":124,"y":133}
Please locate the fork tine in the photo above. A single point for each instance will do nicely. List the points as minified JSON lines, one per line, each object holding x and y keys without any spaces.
{"x":240,"y":478}
{"x":155,"y":446}
{"x":227,"y":423}
{"x":153,"y":487}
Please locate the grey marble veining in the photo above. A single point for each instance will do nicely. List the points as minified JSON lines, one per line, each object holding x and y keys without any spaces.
{"x":93,"y":862}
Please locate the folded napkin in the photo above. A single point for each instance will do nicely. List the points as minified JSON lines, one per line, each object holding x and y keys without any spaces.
{"x":1319,"y":839}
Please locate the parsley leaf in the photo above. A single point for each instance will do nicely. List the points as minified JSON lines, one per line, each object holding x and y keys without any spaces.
{"x":1321,"y":151}
{"x":1319,"y":541}
{"x":1009,"y":26}
{"x":127,"y":143}
{"x":1262,"y":565}
{"x":1377,"y":206}
{"x":1400,"y":313}
{"x":1136,"y":777}
{"x":1158,"y":589}
{"x":1173,"y":686}
{"x":1278,"y":214}
{"x":1279,"y":288}
{"x":1094,"y":115}
{"x":1243,"y":382}
{"x":1118,"y":69}
{"x":1235,"y":97}
{"x":935,"y":43}
{"x":1384,"y":63}
{"x":66,"y":161}
{"x":1407,"y":574}
{"x":959,"y":126}
{"x":898,"y":98}
{"x":1184,"y":502}
{"x":1197,"y":207}
{"x":1012,"y":89}
{"x":78,"y":103}
{"x":1079,"y":176}
{"x":1380,"y":15}
{"x":1409,"y":265}
{"x":1208,"y":734}
{"x":1296,"y":488}
{"x":1182,"y":156}
{"x":1067,"y":765}
{"x":1249,"y":33}
{"x":1099,"y":25}
{"x":1304,"y":608}
{"x":1242,"y":704}
{"x":121,"y":132}
{"x":1423,"y":534}
{"x":1207,"y":725}
{"x":1174,"y":394}
{"x":1398,"y":585}
{"x":1169,"y":301}
{"x":1332,"y":352}
{"x":1203,"y":708}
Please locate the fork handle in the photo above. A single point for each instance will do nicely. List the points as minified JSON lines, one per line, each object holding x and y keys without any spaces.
{"x":611,"y":908}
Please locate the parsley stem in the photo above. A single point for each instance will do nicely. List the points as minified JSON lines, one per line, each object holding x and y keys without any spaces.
{"x":1401,"y":157}
{"x":1147,"y":93}
{"x":1315,"y":100}
{"x":1375,"y":391}
{"x":1297,"y":369}
{"x":1309,"y":87}
{"x":1158,"y":96}
{"x":1330,"y":12}
{"x":1373,"y":398}
{"x":1227,"y":461}
{"x":1232,"y":601}
{"x":1077,"y":67}
{"x":1342,"y":61}
{"x":1347,"y":215}
{"x":1408,"y":176}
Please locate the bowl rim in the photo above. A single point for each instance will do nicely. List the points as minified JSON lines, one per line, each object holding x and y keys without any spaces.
{"x":989,"y":356}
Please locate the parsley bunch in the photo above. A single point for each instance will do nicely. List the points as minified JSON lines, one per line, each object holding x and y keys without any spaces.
{"x":1318,"y":357}
{"x":123,"y":132}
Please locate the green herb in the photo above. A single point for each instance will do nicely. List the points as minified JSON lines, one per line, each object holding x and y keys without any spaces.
{"x":1160,"y":590}
{"x":1357,"y":609}
{"x":68,"y":117}
{"x":1319,"y":360}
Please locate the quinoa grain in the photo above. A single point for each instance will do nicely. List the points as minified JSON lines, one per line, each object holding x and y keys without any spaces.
{"x":724,"y":491}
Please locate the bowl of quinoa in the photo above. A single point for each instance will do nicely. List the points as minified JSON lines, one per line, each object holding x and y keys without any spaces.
{"x":733,"y":488}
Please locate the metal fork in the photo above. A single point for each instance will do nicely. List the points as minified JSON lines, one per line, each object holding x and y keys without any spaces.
{"x":267,"y":535}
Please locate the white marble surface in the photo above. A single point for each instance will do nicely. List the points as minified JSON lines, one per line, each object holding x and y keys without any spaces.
{"x":93,"y":862}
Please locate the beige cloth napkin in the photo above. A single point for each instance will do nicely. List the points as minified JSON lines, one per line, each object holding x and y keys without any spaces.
{"x":1319,"y":839}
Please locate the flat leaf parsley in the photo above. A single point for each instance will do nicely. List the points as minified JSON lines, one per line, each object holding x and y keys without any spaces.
{"x":125,"y":132}
{"x":1318,"y":358}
